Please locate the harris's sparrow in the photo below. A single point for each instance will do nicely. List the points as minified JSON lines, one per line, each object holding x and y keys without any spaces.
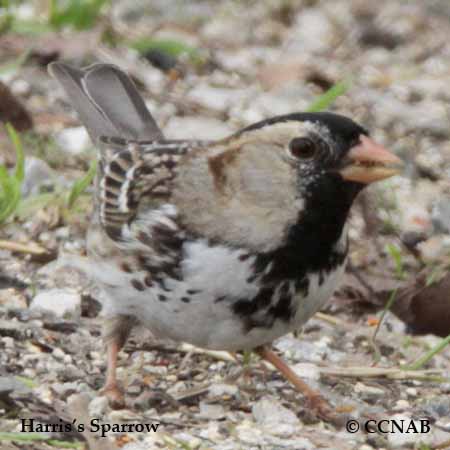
{"x":225,"y":244}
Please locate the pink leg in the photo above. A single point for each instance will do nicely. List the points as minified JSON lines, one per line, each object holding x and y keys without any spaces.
{"x":111,"y":388}
{"x":317,"y":403}
{"x":117,"y":331}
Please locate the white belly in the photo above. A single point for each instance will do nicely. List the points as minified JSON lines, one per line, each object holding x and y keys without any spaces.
{"x":206,"y":319}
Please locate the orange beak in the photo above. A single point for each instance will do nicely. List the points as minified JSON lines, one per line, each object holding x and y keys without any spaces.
{"x":368,"y":162}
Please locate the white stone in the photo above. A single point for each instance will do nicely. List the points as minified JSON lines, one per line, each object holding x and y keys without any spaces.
{"x":98,"y":406}
{"x":211,"y":411}
{"x":312,"y":32}
{"x":25,"y":11}
{"x":11,"y":298}
{"x":401,"y":405}
{"x":61,"y":302}
{"x":58,"y":353}
{"x":274,"y":418}
{"x":220,"y":389}
{"x":412,"y":392}
{"x":248,"y":434}
{"x":307,"y":370}
{"x":74,"y":140}
{"x":211,"y":431}
{"x":299,"y":350}
{"x":434,"y":248}
{"x":371,"y":391}
{"x":8,"y":342}
{"x":20,"y":87}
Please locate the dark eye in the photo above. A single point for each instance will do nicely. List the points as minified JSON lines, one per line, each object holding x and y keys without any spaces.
{"x":302,"y":148}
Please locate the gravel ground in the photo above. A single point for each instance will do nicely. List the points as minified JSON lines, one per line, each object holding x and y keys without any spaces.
{"x":256,"y":59}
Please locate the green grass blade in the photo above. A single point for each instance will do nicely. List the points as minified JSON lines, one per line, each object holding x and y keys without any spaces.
{"x":30,"y":27}
{"x":417,"y":365}
{"x":65,"y":444}
{"x":23,"y":437}
{"x":28,"y":382}
{"x":326,"y":99}
{"x":32,"y":437}
{"x":80,"y":185}
{"x":396,"y":255}
{"x":19,"y":172}
{"x":10,"y":185}
{"x":9,"y":194}
{"x":78,"y":14}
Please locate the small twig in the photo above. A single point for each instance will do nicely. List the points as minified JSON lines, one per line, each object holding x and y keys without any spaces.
{"x":217,"y":354}
{"x":333,"y":320}
{"x":157,"y":394}
{"x":31,"y":248}
{"x":385,"y":372}
{"x":187,"y":357}
{"x":192,"y":392}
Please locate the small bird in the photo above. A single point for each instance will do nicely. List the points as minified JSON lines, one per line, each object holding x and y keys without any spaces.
{"x":226,"y":244}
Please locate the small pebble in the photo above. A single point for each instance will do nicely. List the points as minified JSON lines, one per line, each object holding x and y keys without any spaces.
{"x":401,"y":405}
{"x":275,"y":418}
{"x":307,"y":370}
{"x":219,"y":390}
{"x":412,"y":392}
{"x":58,"y":353}
{"x":73,"y":140}
{"x":8,"y":342}
{"x":369,"y":391}
{"x":61,"y":302}
{"x":98,"y":406}
{"x":211,"y":411}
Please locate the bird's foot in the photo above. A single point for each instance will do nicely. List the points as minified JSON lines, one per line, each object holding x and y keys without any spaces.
{"x":317,"y":405}
{"x":115,"y":395}
{"x":323,"y":410}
